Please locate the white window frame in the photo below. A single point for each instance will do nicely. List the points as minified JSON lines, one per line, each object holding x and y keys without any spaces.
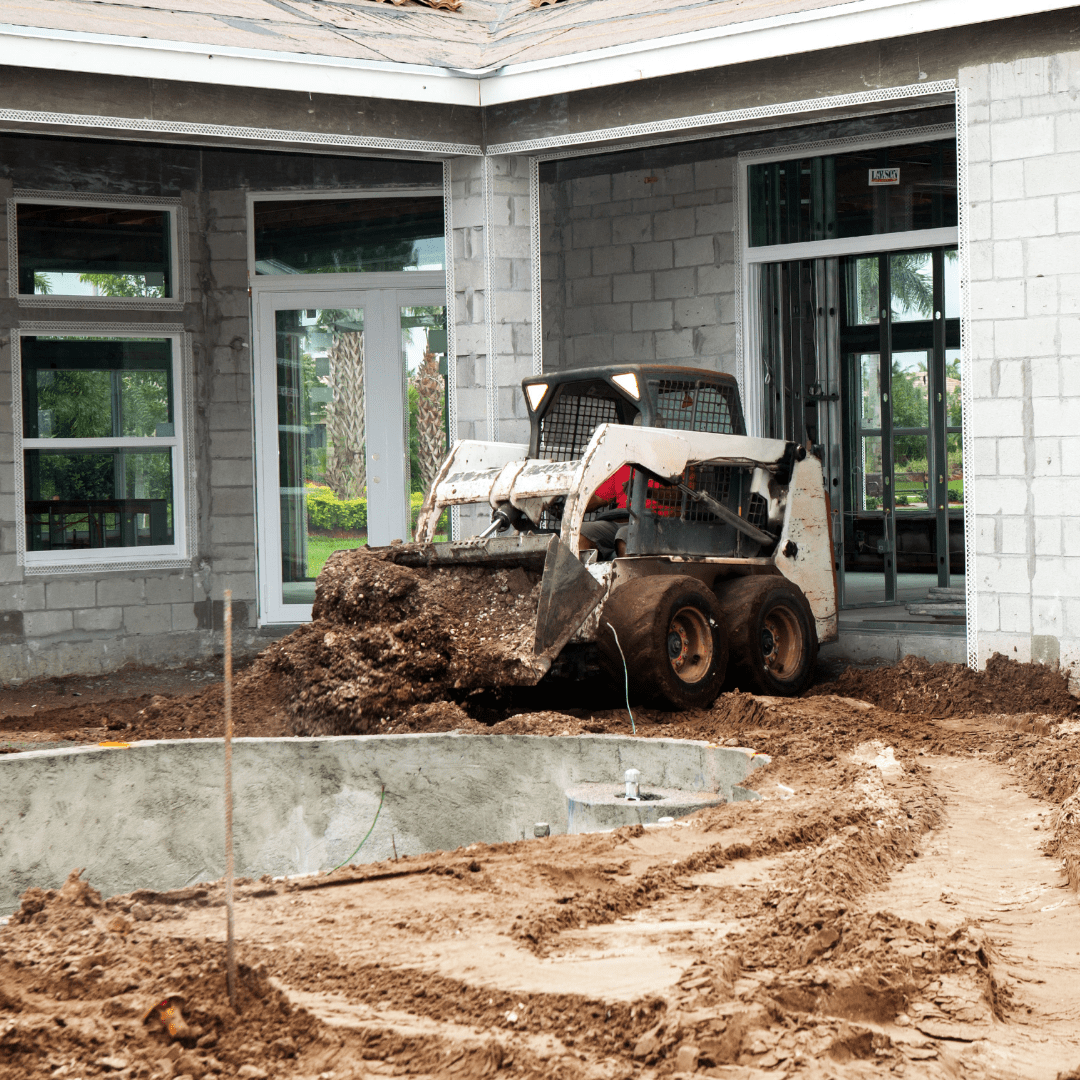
{"x":178,"y":244}
{"x":324,"y":195}
{"x":747,"y":343}
{"x":271,"y":610}
{"x":158,"y":556}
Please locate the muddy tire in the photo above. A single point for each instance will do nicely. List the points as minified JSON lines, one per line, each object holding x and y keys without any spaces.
{"x":672,"y":634}
{"x":772,"y":635}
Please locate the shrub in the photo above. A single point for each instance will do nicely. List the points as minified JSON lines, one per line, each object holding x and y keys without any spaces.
{"x":326,"y":511}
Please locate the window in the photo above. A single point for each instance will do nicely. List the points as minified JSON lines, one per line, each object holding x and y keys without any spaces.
{"x":862,"y":193}
{"x":102,"y":448}
{"x":349,"y":236}
{"x":95,"y":251}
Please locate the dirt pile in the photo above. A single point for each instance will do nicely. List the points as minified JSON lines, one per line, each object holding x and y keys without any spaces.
{"x":385,"y":637}
{"x":79,"y":977}
{"x":1049,"y":764}
{"x":942,"y":690}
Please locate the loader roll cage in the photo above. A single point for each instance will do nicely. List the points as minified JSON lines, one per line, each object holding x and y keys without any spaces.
{"x":702,"y":514}
{"x":565,"y":408}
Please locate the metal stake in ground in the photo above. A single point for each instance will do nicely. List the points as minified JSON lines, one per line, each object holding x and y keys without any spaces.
{"x":230,"y":937}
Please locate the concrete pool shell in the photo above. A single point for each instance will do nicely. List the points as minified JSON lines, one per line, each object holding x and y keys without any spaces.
{"x":150,"y":815}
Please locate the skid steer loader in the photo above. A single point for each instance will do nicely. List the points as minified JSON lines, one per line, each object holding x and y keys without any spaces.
{"x":728,"y":557}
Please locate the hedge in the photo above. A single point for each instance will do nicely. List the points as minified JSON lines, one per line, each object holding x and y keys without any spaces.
{"x":326,"y":512}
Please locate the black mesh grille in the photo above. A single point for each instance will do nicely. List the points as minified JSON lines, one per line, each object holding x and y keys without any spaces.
{"x":568,"y":425}
{"x":714,"y":480}
{"x":757,"y":511}
{"x":689,"y":407}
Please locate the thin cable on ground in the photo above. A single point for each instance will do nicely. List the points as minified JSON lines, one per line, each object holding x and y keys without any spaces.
{"x":626,"y":676}
{"x":366,"y":835}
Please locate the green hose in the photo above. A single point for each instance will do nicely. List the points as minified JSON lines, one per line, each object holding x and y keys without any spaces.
{"x":366,"y":835}
{"x":626,"y":677}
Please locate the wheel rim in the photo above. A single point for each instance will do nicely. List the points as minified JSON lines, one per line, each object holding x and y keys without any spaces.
{"x":781,"y":642}
{"x":690,"y":645}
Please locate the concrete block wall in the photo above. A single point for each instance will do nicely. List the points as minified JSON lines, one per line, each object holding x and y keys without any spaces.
{"x":510,"y":251}
{"x":97,"y":620}
{"x":1024,"y":227}
{"x":639,"y":267}
{"x":470,"y":289}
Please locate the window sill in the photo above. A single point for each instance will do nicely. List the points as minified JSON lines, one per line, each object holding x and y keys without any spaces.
{"x":124,"y":559}
{"x":53,"y":300}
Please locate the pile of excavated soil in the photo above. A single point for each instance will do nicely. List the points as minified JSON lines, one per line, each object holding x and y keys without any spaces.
{"x":917,"y":686}
{"x":77,"y":977}
{"x":432,"y":645}
{"x":385,"y":637}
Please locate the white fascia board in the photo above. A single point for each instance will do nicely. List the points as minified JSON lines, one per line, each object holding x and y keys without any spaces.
{"x":103,"y":54}
{"x":760,"y":39}
{"x":810,"y":31}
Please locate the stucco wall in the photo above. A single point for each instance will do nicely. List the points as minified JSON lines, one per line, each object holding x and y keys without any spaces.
{"x":638,"y":267}
{"x":1024,"y":192}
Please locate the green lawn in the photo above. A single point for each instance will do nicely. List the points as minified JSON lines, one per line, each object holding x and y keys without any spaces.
{"x":319,"y":549}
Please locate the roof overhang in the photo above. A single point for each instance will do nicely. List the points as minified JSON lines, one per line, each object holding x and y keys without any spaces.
{"x":831,"y":27}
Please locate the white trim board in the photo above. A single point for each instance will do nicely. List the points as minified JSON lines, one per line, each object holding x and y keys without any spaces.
{"x":829,"y":27}
{"x":852,"y":245}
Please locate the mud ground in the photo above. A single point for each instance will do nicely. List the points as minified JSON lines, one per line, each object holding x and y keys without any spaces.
{"x":897,"y":904}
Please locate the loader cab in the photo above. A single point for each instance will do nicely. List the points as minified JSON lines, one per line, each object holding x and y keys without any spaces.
{"x":566,"y":407}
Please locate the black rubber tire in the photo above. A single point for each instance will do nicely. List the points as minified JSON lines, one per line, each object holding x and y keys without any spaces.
{"x":672,"y":635}
{"x":772,"y":635}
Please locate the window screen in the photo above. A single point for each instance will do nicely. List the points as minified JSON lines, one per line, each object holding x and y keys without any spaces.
{"x":567,"y":427}
{"x":94,"y":251}
{"x":665,"y":501}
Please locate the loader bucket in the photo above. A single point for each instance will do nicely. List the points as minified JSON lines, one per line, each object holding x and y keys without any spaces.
{"x":528,"y":551}
{"x":567,"y":594}
{"x":568,"y":591}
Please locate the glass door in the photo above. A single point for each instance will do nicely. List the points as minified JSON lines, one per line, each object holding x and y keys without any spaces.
{"x":351,"y":414}
{"x":904,"y":496}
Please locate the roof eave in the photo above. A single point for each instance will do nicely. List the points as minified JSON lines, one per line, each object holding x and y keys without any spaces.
{"x":857,"y":22}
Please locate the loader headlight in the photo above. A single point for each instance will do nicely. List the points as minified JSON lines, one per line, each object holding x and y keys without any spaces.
{"x":535,"y":393}
{"x":627,"y":381}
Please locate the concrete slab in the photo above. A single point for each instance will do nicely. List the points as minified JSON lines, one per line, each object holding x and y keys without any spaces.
{"x":151,"y":815}
{"x":889,"y":642}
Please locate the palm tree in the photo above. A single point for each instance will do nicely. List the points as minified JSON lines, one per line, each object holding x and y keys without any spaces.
{"x":911,"y":280}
